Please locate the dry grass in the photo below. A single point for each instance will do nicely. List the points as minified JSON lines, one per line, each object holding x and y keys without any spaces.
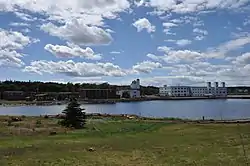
{"x":124,"y":142}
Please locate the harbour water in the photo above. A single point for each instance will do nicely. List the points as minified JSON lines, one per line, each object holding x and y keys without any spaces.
{"x":192,"y":109}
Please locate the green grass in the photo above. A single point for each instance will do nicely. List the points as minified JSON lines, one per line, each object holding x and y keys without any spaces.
{"x":122,"y":142}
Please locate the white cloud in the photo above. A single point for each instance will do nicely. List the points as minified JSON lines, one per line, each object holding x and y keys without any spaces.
{"x":164,"y":49}
{"x":183,"y":42}
{"x":188,"y":6}
{"x":25,"y":16}
{"x":182,"y":56}
{"x":158,"y":13}
{"x":144,"y":23}
{"x":79,"y":33}
{"x":19,"y":24}
{"x":222,"y":50}
{"x":75,"y":69}
{"x":63,"y":11}
{"x":201,"y":34}
{"x":146,"y":66}
{"x":76,"y":21}
{"x":115,"y":52}
{"x":71,"y":51}
{"x":110,"y":31}
{"x":10,"y":58}
{"x":11,"y":42}
{"x":243,"y":59}
{"x":153,"y":57}
{"x":167,"y":27}
{"x":200,"y":31}
{"x":173,"y":80}
{"x":139,"y":2}
{"x":199,"y":38}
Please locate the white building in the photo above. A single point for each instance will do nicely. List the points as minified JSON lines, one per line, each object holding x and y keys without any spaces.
{"x":176,"y":91}
{"x":182,"y":91}
{"x":134,"y":91}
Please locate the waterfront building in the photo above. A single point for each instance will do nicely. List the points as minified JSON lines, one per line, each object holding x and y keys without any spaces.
{"x":175,"y":91}
{"x":185,"y":91}
{"x":132,"y":92}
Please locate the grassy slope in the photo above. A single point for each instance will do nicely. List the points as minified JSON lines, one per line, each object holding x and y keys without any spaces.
{"x":126,"y":142}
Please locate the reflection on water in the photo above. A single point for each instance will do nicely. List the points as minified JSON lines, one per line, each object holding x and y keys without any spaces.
{"x":191,"y":109}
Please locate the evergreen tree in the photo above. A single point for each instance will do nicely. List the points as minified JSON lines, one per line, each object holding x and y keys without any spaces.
{"x":74,"y":115}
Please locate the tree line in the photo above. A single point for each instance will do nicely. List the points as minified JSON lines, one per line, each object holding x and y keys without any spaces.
{"x":36,"y":86}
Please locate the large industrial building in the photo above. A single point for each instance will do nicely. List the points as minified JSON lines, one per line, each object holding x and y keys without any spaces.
{"x":188,"y":91}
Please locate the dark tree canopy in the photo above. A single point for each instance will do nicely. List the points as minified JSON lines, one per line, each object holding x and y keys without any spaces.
{"x":125,"y":95}
{"x":74,"y":115}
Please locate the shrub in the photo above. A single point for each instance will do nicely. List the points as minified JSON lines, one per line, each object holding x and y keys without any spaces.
{"x":38,"y":123}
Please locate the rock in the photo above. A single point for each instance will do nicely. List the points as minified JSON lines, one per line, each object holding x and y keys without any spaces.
{"x":91,"y":149}
{"x":15,"y":119}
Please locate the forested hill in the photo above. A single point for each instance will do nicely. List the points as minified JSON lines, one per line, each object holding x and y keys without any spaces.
{"x":60,"y":87}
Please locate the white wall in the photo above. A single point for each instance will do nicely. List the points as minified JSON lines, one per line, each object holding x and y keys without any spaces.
{"x":135,"y":94}
{"x":192,"y":91}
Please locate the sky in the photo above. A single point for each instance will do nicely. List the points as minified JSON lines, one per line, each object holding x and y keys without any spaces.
{"x":162,"y":42}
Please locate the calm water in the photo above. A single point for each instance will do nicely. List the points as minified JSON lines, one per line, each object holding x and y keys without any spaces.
{"x":191,"y":109}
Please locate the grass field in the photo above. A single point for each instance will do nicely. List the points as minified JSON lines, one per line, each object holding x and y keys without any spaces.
{"x":122,"y":142}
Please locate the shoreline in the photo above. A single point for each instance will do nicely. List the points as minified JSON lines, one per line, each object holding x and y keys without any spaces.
{"x":5,"y":103}
{"x":115,"y":117}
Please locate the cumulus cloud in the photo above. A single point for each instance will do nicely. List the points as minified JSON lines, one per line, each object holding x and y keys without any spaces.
{"x":71,"y":51}
{"x":183,"y":42}
{"x":244,"y":59}
{"x":146,"y":66}
{"x":182,"y":56}
{"x":188,"y":6}
{"x":79,"y":33}
{"x":62,"y":11}
{"x":76,"y":21}
{"x":144,"y":23}
{"x":11,"y":42}
{"x":75,"y":69}
{"x":10,"y":58}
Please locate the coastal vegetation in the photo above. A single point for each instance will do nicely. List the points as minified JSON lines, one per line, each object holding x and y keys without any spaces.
{"x":67,"y":87}
{"x":121,"y":141}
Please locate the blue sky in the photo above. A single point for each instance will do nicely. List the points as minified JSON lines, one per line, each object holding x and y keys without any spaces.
{"x":185,"y":42}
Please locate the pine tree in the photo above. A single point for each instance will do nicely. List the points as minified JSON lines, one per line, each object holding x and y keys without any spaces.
{"x":74,"y":115}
